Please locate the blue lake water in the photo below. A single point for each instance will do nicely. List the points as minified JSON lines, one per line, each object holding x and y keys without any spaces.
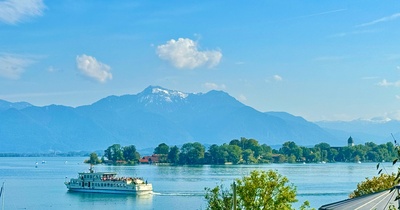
{"x":175,"y":187}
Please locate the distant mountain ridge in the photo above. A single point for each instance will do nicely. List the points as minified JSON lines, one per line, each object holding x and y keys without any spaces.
{"x":378,"y":131}
{"x":155,"y":115}
{"x":4,"y":105}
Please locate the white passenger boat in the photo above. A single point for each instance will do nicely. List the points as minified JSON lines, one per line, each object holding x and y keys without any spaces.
{"x":108,"y":182}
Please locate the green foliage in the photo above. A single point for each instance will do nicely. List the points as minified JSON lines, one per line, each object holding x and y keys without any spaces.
{"x":192,"y":153}
{"x":219,"y":198}
{"x":248,"y":156}
{"x":375,"y":184}
{"x":265,"y":190}
{"x":114,"y":153}
{"x":369,"y":152}
{"x":383,"y":181}
{"x":260,"y":190}
{"x":161,"y":149}
{"x":234,"y":153}
{"x":130,"y":154}
{"x":117,"y":153}
{"x":93,"y":159}
{"x":249,"y":151}
{"x":173,"y":155}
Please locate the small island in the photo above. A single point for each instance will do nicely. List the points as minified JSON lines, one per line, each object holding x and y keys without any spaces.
{"x":246,"y":151}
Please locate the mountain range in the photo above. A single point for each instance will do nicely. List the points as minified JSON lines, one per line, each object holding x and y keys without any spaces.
{"x":158,"y":115}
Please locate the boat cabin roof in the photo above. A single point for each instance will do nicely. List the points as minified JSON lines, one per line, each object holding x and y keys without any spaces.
{"x":98,"y":173}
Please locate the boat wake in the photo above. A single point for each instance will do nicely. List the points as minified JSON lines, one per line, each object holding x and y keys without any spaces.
{"x":178,"y":193}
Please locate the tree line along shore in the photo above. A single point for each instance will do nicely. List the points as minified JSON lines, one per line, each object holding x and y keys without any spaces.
{"x":247,"y":151}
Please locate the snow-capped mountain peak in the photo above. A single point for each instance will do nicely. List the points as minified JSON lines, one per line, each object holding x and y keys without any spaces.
{"x":156,"y":94}
{"x":169,"y":93}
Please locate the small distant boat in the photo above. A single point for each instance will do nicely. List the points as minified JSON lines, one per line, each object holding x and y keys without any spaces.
{"x":108,"y":182}
{"x":359,"y":162}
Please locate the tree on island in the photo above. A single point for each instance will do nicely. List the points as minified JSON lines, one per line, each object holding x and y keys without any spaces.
{"x":114,"y":153}
{"x":192,"y":153}
{"x":260,"y":190}
{"x":130,"y":154}
{"x":93,"y":159}
{"x":173,"y":155}
{"x":162,"y":151}
{"x":117,"y":153}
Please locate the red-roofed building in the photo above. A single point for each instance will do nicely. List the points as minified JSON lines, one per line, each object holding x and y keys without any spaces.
{"x":149,"y":159}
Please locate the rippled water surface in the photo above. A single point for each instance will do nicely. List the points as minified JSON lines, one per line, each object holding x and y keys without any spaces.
{"x":175,"y":187}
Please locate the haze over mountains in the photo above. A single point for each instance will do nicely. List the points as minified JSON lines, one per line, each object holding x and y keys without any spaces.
{"x":158,"y":115}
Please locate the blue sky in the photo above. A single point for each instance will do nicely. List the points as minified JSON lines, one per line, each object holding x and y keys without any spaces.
{"x":322,"y":60}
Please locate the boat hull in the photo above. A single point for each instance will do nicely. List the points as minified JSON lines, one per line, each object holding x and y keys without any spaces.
{"x":107,"y":191}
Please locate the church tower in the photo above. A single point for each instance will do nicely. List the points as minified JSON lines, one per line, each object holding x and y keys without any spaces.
{"x":350,"y":142}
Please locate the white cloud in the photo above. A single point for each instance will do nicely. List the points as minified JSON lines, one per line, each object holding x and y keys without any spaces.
{"x":92,"y":68}
{"x":242,"y":98}
{"x":385,"y":83}
{"x":183,"y":53}
{"x":384,"y":19}
{"x":12,"y":66}
{"x":213,"y":86}
{"x":394,"y":115}
{"x":277,"y":78}
{"x":381,"y":119}
{"x":14,"y":11}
